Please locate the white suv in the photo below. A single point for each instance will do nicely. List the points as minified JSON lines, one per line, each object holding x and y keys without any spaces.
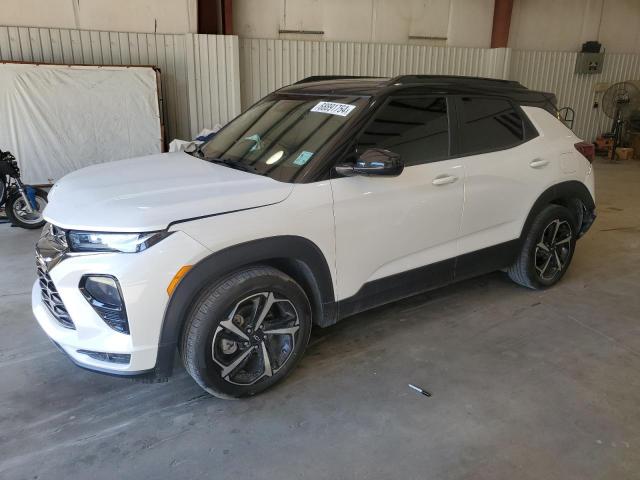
{"x":324,"y":199}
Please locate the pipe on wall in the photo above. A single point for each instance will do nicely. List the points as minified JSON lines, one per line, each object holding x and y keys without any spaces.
{"x":501,"y":23}
{"x":227,"y":21}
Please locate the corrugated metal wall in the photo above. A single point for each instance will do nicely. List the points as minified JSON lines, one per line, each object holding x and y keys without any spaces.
{"x":191,"y":67}
{"x":554,"y":72}
{"x":268,"y":64}
{"x":214,"y":80}
{"x":207,"y":78}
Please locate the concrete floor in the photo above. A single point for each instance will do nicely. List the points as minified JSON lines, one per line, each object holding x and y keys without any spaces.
{"x":526,"y":385}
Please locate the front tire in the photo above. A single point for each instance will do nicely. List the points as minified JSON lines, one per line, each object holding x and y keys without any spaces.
{"x":18,"y":215}
{"x":547,"y":250}
{"x":246,"y":332}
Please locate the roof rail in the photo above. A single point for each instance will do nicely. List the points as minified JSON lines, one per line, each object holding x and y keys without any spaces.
{"x":404,"y":79}
{"x":319,"y":78}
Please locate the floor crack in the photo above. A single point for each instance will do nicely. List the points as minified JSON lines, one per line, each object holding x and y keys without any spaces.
{"x":604,"y":335}
{"x":13,"y":294}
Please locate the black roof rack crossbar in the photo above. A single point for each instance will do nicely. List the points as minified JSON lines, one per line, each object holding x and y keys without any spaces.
{"x":420,"y":79}
{"x":451,"y":79}
{"x":319,"y":78}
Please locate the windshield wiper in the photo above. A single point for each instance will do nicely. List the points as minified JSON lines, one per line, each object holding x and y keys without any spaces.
{"x":229,"y":162}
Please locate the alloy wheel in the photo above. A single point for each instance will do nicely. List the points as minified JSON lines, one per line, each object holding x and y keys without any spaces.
{"x":21,"y":212}
{"x":256,"y":339}
{"x":553,"y":249}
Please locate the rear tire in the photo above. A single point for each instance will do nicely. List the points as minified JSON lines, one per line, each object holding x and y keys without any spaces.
{"x":19,"y":217}
{"x":547,"y":249}
{"x":246,"y":332}
{"x":3,"y":191}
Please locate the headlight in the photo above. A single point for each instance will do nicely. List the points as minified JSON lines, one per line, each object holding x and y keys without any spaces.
{"x":113,"y":242}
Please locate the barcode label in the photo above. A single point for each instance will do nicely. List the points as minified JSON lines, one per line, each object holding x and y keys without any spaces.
{"x":341,"y":109}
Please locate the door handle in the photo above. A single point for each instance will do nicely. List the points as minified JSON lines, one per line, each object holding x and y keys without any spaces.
{"x":538,"y":163}
{"x":444,"y":179}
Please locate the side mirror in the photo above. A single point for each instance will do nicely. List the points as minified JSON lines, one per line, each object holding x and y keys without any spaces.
{"x":373,"y":161}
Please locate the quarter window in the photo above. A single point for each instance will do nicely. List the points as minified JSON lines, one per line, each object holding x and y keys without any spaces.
{"x":415,"y":128}
{"x":489,"y":124}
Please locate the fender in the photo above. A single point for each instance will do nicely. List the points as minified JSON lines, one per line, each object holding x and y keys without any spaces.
{"x":300,"y":257}
{"x":564,"y":193}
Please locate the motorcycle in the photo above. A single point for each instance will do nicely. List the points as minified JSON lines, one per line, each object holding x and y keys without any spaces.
{"x":23,"y":204}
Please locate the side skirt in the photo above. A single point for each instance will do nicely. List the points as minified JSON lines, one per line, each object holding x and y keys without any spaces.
{"x":486,"y":260}
{"x":406,"y":284}
{"x":396,"y":287}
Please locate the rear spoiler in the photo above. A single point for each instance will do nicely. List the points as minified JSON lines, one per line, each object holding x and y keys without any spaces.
{"x":544,"y":100}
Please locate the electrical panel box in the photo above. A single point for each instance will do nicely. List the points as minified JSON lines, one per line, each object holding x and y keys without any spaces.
{"x":601,"y":87}
{"x":589,"y":62}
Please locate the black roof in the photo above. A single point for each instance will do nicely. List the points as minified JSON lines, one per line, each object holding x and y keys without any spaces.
{"x":367,"y":86}
{"x":421,"y":84}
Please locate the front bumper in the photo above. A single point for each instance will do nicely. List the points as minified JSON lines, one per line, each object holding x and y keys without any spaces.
{"x":143,"y":278}
{"x":90,"y":336}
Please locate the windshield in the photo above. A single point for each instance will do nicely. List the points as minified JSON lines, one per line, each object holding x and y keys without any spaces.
{"x":281,"y":135}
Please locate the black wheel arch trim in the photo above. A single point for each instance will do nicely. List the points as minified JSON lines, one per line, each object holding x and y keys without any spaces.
{"x":297,"y":256}
{"x":563,"y":194}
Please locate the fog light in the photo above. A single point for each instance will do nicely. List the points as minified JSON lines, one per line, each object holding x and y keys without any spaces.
{"x":103,"y":294}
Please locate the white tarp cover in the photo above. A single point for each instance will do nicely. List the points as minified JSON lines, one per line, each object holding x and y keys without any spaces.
{"x":56,"y":118}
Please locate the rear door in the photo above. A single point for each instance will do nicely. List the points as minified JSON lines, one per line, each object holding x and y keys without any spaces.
{"x":390,"y":225}
{"x":507,"y":164}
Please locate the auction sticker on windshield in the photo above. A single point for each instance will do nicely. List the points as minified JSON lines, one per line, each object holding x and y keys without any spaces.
{"x":342,"y":109}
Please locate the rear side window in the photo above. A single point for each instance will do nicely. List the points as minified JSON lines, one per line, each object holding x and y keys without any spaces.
{"x":415,"y":128}
{"x":489,"y":124}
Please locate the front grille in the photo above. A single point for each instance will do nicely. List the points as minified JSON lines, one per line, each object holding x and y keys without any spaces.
{"x":52,"y":300}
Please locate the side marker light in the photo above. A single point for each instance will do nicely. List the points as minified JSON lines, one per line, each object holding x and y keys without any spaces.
{"x":177,"y":278}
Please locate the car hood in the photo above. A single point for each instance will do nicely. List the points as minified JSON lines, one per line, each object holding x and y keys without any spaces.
{"x":148,"y":193}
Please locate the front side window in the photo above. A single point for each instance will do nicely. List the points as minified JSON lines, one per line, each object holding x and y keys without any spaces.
{"x":281,"y":135}
{"x":415,"y":128}
{"x":489,"y":124}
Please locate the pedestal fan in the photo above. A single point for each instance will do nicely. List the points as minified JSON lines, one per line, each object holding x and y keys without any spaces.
{"x":619,"y":101}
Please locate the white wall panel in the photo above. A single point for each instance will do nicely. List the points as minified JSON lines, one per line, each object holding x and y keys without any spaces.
{"x":455,"y":23}
{"x":57,"y":119}
{"x":553,"y":25}
{"x":268,"y":64}
{"x":554,"y":72}
{"x":535,"y":24}
{"x":150,"y":16}
{"x":199,"y":73}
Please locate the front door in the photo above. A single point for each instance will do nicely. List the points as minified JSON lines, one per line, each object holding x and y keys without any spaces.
{"x":389,"y":228}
